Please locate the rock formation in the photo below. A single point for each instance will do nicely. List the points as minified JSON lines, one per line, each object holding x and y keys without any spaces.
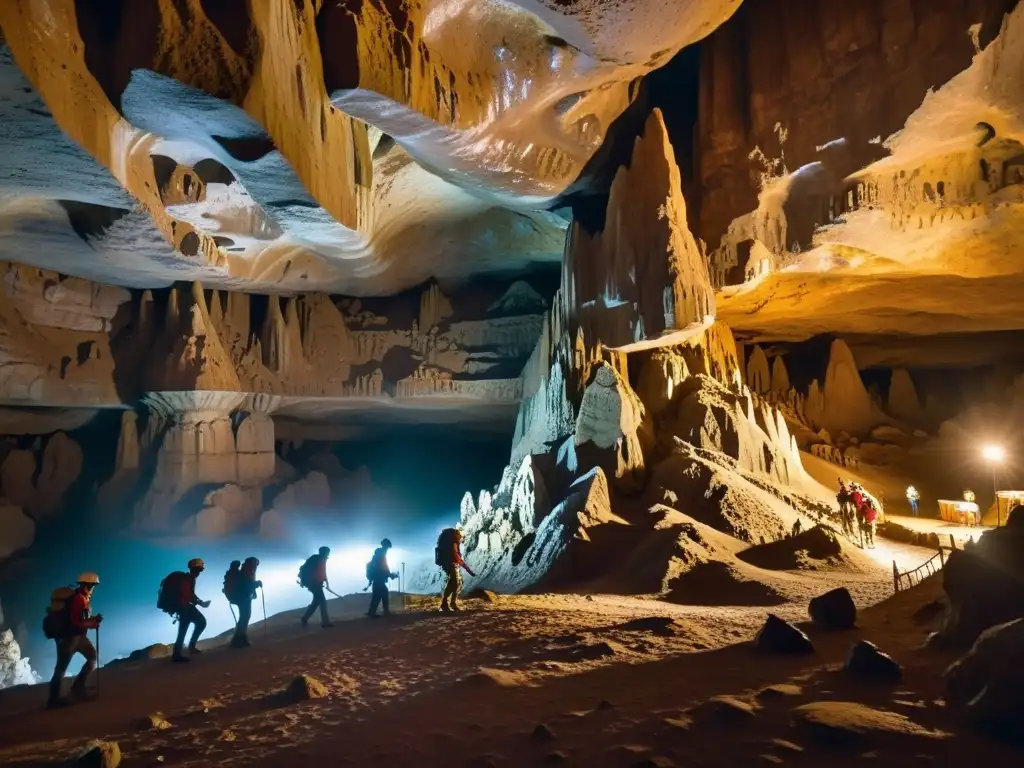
{"x":903,"y":401}
{"x":846,"y":404}
{"x":643,"y":277}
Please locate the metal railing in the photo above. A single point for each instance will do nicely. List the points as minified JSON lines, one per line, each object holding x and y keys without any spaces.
{"x":929,"y":567}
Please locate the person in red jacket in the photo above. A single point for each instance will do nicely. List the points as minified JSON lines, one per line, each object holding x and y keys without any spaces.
{"x":79,"y":621}
{"x":188,"y":612}
{"x":453,"y":584}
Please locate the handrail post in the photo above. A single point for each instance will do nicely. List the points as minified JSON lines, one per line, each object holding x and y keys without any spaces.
{"x":942,"y":558}
{"x":895,"y":577}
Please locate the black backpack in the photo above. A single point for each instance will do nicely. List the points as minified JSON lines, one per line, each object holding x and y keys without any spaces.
{"x":443,"y":552}
{"x":306,"y":570}
{"x":168,"y":599}
{"x":231,"y":584}
{"x":57,"y":621}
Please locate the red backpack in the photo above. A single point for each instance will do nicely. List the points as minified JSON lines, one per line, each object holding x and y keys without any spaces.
{"x":169,"y":598}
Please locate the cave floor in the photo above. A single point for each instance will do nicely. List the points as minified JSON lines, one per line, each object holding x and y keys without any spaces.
{"x":609,"y":677}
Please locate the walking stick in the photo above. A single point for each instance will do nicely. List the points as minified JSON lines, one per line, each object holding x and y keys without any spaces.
{"x":401,"y":586}
{"x":263,"y":597}
{"x":232,"y":608}
{"x":97,"y":688}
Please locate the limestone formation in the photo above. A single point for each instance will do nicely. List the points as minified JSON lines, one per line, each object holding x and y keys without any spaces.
{"x":332,"y":180}
{"x":903,"y":400}
{"x":780,"y":387}
{"x":643,"y":277}
{"x":758,"y":376}
{"x":846,"y":404}
{"x":612,"y":429}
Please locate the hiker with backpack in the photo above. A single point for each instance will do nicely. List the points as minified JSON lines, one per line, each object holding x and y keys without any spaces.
{"x":67,"y":622}
{"x":178,"y":597}
{"x":449,"y":557}
{"x":240,"y":588}
{"x":378,"y":574}
{"x":313,"y":576}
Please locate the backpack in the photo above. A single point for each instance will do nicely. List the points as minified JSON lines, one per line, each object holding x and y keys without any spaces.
{"x":445,"y":547}
{"x":57,"y":622}
{"x":870,"y":513}
{"x":374,"y":568}
{"x":168,"y":598}
{"x":306,"y":570}
{"x":231,"y":584}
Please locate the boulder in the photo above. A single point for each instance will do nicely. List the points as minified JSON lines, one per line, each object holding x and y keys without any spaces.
{"x":100,"y":754}
{"x":866,"y":662}
{"x":151,"y":722}
{"x":778,"y":636}
{"x":987,"y":683}
{"x":833,"y":610}
{"x":984,"y":583}
{"x":851,"y":725}
{"x":304,"y":688}
{"x":723,"y":710}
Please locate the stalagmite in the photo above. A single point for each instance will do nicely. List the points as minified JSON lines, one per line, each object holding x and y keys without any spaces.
{"x":758,"y":375}
{"x":903,"y":400}
{"x":847,"y":406}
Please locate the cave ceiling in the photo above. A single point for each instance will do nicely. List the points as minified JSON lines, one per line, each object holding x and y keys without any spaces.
{"x":355,"y":147}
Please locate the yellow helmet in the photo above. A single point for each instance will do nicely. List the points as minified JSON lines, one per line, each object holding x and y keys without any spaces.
{"x":88,"y":577}
{"x":458,"y":535}
{"x":197,"y":562}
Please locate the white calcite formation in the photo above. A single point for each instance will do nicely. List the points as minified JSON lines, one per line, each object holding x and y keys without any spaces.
{"x":846,"y":404}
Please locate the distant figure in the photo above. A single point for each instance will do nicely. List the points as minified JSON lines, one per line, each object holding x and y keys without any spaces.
{"x":178,"y":598}
{"x":868,"y":524}
{"x":378,"y":573}
{"x":449,"y":557}
{"x":797,"y":528}
{"x":67,"y":623}
{"x":242,"y":595}
{"x":845,"y":500}
{"x":313,"y":576}
{"x":913,"y":496}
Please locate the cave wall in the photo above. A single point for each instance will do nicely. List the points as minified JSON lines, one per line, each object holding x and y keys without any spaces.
{"x":831,"y":70}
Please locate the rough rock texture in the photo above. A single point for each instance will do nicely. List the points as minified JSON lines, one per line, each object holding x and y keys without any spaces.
{"x":17,"y":530}
{"x":778,"y":636}
{"x":643,"y":277}
{"x":833,"y":610}
{"x":890,"y":200}
{"x":866,"y":662}
{"x":987,"y":683}
{"x":847,"y":406}
{"x":14,"y":668}
{"x":834,"y":72}
{"x":985,"y":583}
{"x":330,"y":177}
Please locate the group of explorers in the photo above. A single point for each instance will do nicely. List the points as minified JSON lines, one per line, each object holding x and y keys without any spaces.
{"x":69,"y":616}
{"x":858,"y":513}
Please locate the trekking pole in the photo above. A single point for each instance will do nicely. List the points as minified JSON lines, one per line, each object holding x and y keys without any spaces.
{"x":97,"y":688}
{"x":232,"y":608}
{"x":263,"y":597}
{"x":401,"y":586}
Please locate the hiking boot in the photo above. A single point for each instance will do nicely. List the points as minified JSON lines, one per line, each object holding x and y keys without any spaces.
{"x":456,"y":609}
{"x":180,"y":659}
{"x":193,"y":651}
{"x":58,"y":704}
{"x":326,"y":625}
{"x":445,"y":608}
{"x":81,"y":694}
{"x":240,"y":643}
{"x":305,"y":623}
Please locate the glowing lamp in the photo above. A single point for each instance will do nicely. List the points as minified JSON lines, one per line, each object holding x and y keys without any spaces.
{"x":993,"y":453}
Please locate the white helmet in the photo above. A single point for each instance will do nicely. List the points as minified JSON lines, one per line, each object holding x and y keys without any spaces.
{"x":197,"y":562}
{"x":88,"y":578}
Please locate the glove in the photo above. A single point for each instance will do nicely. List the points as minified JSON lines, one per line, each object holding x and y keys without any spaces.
{"x":394,"y":575}
{"x":99,"y":618}
{"x":259,"y":585}
{"x":204,"y":603}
